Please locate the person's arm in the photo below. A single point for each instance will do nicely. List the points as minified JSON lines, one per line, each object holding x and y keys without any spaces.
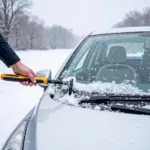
{"x":7,"y":55}
{"x":12,"y":60}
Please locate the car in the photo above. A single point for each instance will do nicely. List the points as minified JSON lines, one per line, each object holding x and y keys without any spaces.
{"x":99,"y":98}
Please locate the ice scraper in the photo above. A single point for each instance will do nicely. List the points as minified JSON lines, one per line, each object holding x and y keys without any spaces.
{"x":40,"y":80}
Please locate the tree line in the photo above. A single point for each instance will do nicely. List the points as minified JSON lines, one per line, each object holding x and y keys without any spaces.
{"x":135,"y":18}
{"x":24,"y":31}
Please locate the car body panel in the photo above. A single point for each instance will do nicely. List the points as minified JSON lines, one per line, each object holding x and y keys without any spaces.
{"x":63,"y":127}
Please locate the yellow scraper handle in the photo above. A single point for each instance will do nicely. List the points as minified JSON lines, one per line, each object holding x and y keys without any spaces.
{"x":20,"y":78}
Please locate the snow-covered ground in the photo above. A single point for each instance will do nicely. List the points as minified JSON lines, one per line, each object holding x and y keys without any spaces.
{"x":17,"y":100}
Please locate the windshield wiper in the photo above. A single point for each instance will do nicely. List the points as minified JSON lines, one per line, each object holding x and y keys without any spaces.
{"x":128,"y":104}
{"x":124,"y":98}
{"x":133,"y":110}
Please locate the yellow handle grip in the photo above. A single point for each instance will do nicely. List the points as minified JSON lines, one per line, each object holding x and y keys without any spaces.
{"x":20,"y":78}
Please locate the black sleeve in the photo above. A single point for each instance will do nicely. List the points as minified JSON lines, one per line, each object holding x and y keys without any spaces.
{"x":7,"y":55}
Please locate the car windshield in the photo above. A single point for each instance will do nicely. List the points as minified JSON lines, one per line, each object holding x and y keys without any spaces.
{"x":114,"y":59}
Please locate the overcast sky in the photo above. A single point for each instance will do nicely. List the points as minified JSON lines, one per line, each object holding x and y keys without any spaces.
{"x":84,"y":16}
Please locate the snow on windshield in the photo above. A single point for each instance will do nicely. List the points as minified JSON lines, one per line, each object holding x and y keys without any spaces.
{"x":104,"y":88}
{"x":100,"y":88}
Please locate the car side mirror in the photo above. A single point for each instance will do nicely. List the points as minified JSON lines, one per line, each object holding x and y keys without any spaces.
{"x":44,"y":73}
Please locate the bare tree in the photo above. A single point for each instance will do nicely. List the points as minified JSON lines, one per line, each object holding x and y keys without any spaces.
{"x":9,"y":9}
{"x":25,"y":31}
{"x":146,"y":16}
{"x":131,"y":19}
{"x":32,"y":30}
{"x":60,"y":37}
{"x":32,"y":33}
{"x":18,"y":36}
{"x":135,"y":18}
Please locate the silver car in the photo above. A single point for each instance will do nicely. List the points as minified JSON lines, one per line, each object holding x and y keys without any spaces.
{"x":99,"y":99}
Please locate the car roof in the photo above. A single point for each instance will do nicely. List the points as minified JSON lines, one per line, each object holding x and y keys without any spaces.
{"x":122,"y":30}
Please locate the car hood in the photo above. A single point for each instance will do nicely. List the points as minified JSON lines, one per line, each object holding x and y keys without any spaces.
{"x":63,"y":127}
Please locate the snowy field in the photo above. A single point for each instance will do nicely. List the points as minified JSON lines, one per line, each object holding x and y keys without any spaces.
{"x":17,"y":100}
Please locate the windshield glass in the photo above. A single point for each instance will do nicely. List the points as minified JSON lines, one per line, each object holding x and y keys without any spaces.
{"x":112,"y":59}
